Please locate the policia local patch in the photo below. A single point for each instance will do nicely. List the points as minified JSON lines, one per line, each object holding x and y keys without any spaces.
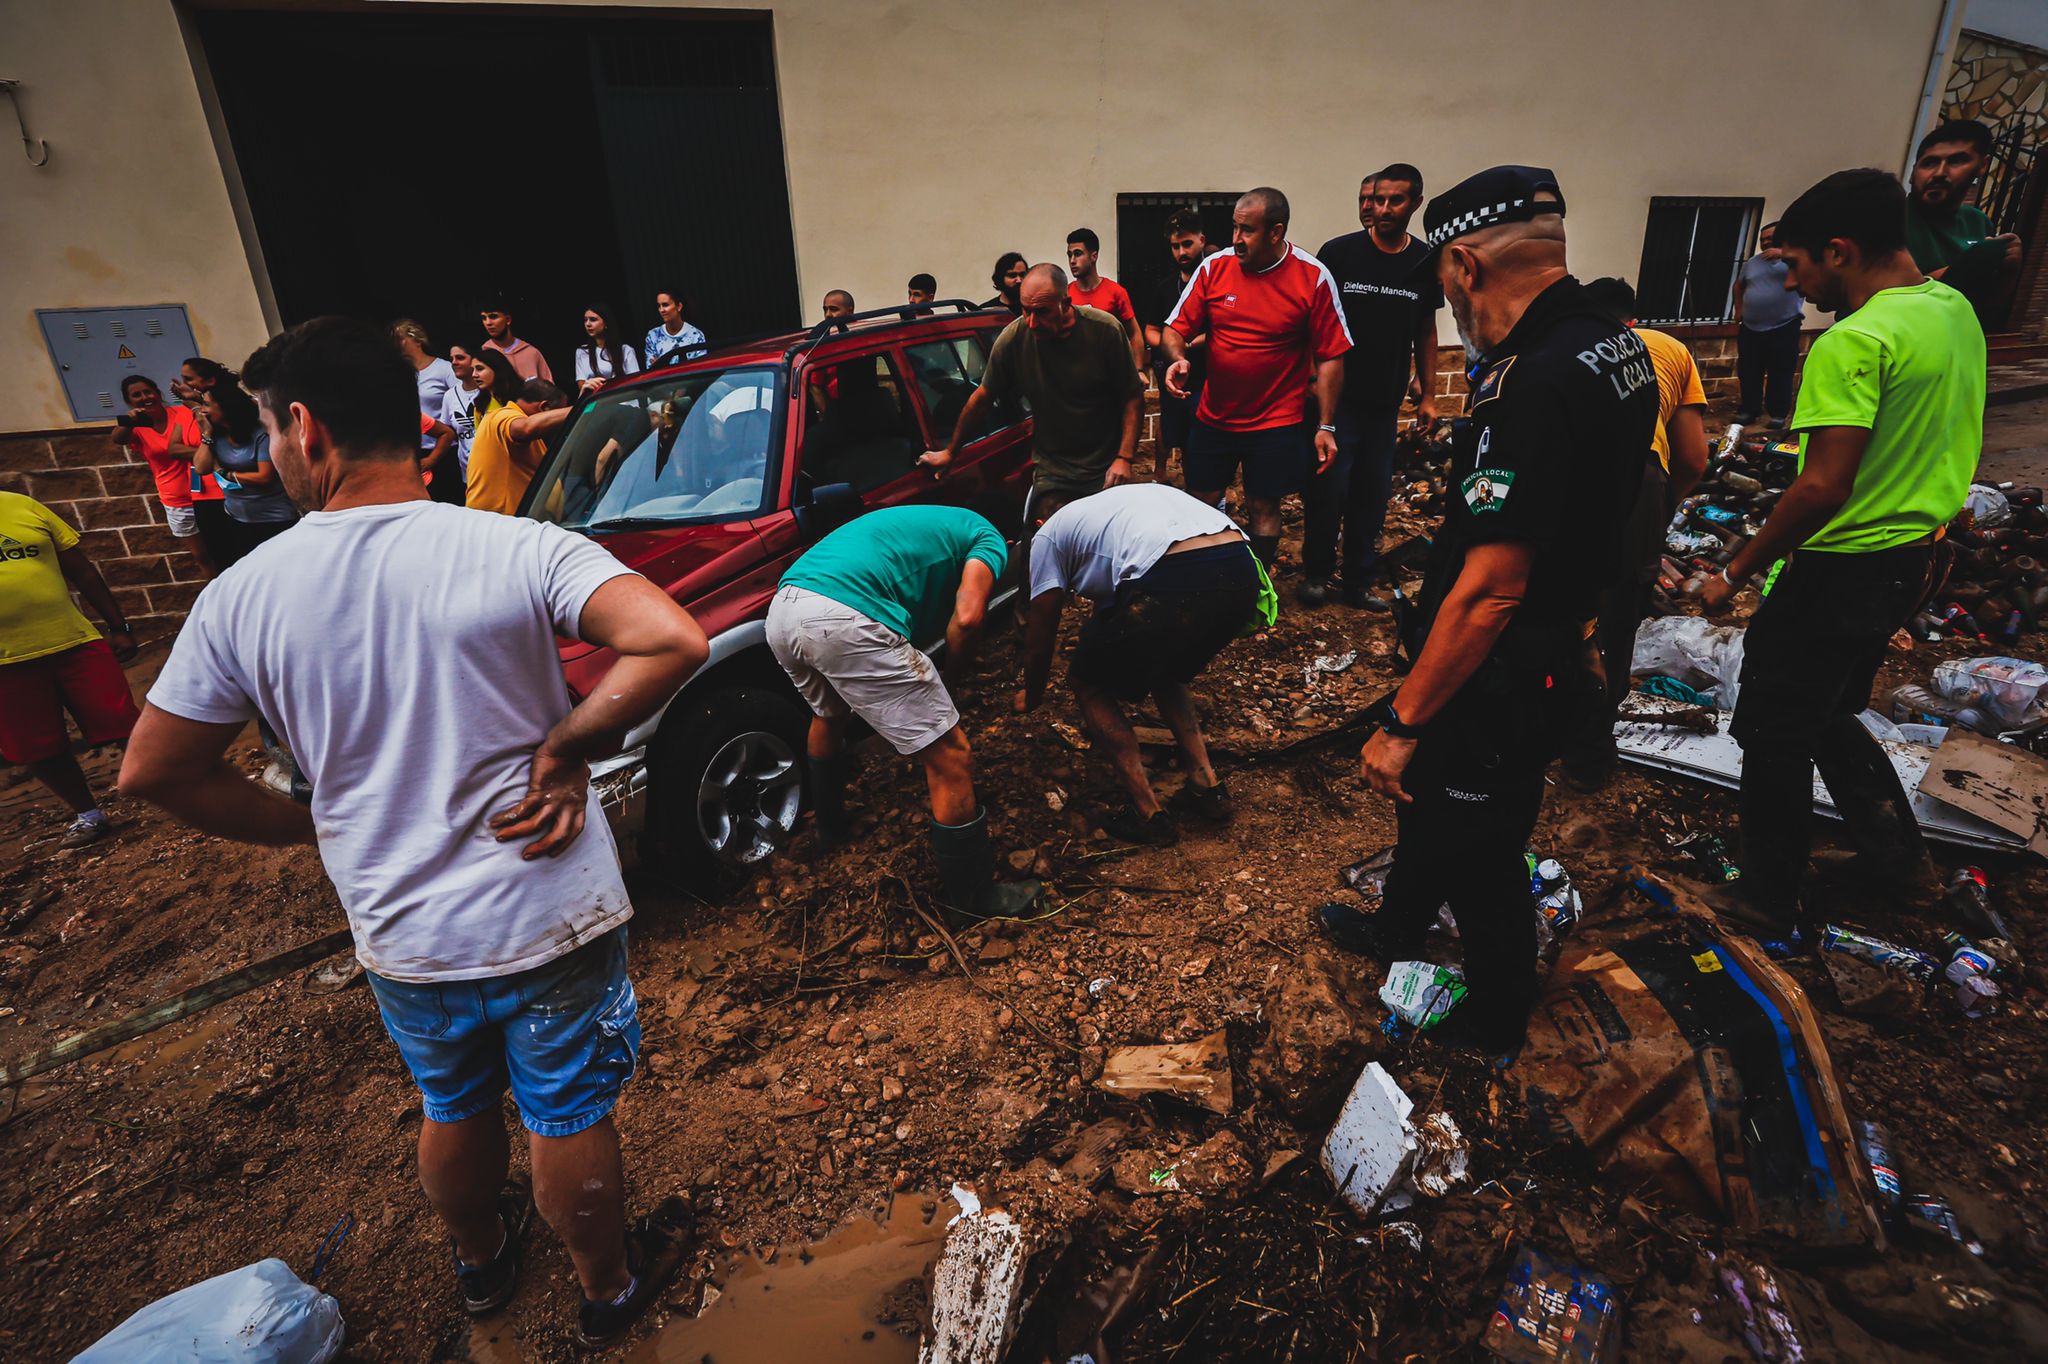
{"x":1486,"y":490}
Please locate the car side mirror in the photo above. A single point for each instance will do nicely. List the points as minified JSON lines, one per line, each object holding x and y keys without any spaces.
{"x":831,"y":506}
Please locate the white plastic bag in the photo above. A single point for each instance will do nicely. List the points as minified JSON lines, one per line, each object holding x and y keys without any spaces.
{"x":2008,"y":690}
{"x":1692,"y":649}
{"x":258,"y":1314}
{"x":1987,"y":506}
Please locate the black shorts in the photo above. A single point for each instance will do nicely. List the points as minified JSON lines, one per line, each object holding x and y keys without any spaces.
{"x":1164,"y":627}
{"x":1276,"y":461}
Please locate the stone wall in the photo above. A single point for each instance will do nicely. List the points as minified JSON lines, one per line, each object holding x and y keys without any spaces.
{"x":109,"y":497}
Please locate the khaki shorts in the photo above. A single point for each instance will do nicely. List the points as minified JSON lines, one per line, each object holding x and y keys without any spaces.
{"x":841,"y":660}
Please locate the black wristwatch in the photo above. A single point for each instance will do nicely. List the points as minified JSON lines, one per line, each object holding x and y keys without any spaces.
{"x":1387,"y":718}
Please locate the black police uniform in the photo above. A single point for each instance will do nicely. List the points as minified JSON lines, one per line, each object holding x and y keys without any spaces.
{"x":1550,"y":456}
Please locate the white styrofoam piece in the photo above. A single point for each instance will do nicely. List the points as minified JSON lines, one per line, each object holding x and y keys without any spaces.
{"x":1717,"y":759}
{"x":976,"y":1290}
{"x":1372,"y":1143}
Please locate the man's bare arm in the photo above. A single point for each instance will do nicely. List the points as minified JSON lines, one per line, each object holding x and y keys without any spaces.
{"x":1687,"y":435}
{"x":659,"y":645}
{"x":977,"y":403}
{"x":539,"y":425}
{"x":1489,"y":590}
{"x":178,"y":764}
{"x":970,"y":611}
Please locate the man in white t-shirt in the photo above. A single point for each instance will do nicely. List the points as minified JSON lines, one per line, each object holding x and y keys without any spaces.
{"x":1173,"y":581}
{"x":405,"y":650}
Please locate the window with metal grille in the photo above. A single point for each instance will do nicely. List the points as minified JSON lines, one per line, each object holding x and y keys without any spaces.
{"x":1692,"y":250}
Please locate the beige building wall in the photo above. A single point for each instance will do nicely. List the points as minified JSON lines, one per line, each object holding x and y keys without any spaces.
{"x":934,"y":134}
{"x":133,"y":206}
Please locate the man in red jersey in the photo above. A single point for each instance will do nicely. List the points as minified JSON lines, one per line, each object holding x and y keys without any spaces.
{"x":1273,"y":318}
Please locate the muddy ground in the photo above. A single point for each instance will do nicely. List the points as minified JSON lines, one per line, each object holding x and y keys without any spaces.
{"x":814,"y":1052}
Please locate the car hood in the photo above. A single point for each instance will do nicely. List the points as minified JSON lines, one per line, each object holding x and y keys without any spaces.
{"x":684,"y":561}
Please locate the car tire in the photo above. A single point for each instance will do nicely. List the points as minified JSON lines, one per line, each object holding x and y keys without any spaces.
{"x":726,"y":787}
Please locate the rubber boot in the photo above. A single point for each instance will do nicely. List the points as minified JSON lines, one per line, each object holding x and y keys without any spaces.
{"x":967,"y":874}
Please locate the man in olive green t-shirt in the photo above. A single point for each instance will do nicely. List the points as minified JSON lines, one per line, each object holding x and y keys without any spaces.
{"x":1891,"y":421}
{"x":1951,"y":240}
{"x":1073,"y":366}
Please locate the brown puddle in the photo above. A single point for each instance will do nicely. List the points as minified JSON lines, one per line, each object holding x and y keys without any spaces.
{"x":157,"y":1065}
{"x":816,"y":1304}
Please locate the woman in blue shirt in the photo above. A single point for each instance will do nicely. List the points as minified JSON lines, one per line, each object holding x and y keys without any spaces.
{"x":235,"y":449}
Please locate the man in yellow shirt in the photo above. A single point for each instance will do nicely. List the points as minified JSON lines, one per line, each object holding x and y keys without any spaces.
{"x":1679,"y":441}
{"x":509,"y":446}
{"x":52,"y":660}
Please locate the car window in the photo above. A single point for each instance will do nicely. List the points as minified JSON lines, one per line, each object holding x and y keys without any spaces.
{"x":693,"y":448}
{"x":947,"y":374}
{"x":859,"y":427}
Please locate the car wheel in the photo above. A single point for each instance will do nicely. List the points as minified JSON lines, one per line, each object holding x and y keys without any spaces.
{"x":729,"y":786}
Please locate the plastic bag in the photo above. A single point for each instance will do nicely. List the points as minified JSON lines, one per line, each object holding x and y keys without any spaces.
{"x":2008,"y":690}
{"x":1692,"y":649}
{"x":1420,"y":993}
{"x":258,"y":1314}
{"x":1987,"y":506}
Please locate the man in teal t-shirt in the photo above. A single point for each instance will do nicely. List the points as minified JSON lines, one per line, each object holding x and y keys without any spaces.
{"x":1891,"y":422}
{"x":851,"y":622}
{"x":1951,"y":240}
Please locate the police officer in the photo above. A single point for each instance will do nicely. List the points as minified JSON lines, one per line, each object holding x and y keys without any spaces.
{"x":1544,"y":474}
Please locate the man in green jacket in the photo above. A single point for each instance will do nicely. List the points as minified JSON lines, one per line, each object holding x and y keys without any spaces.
{"x":1951,"y":240}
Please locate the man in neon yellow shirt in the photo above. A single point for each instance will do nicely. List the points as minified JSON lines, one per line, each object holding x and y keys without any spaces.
{"x":1891,"y":422}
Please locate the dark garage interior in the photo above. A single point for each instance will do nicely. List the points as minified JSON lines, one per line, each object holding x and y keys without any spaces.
{"x":554,"y":159}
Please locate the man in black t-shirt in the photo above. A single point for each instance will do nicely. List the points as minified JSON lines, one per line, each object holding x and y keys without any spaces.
{"x":1392,"y":315}
{"x":1543,"y":474}
{"x":1189,"y":242}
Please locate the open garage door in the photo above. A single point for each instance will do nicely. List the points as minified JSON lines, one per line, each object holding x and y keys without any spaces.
{"x":413,"y":162}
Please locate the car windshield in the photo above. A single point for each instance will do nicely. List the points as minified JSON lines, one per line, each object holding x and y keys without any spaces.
{"x":693,"y":448}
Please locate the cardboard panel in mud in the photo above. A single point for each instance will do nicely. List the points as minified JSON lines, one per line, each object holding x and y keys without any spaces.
{"x":1684,"y":1057}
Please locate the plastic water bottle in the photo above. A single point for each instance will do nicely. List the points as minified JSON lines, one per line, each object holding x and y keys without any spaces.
{"x":1969,"y":899}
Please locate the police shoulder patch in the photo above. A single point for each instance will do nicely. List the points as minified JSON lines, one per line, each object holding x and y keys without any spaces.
{"x":1486,"y":490}
{"x":1490,"y":384}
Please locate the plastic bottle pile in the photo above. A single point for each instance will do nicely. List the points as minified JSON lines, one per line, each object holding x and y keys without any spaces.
{"x":1997,"y":586}
{"x":1745,"y":478}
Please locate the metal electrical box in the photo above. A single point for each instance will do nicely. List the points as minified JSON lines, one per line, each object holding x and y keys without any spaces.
{"x":94,"y":349}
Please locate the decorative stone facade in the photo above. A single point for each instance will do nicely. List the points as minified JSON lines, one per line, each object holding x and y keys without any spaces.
{"x":1999,"y":83}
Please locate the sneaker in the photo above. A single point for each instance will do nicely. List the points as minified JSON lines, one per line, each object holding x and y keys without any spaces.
{"x":1312,"y":591}
{"x":1358,"y":599}
{"x":1212,"y":803}
{"x":1156,"y":830}
{"x":654,"y":1251}
{"x":486,"y":1288}
{"x":86,"y":829}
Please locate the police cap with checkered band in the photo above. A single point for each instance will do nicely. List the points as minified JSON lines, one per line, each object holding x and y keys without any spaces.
{"x":1504,"y":194}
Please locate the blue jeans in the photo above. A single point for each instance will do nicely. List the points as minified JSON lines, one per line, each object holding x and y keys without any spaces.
{"x":564,"y":1036}
{"x":1352,"y":495}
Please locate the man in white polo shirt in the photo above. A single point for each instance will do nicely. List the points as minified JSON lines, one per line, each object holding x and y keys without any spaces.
{"x":405,"y":650}
{"x":1173,"y":581}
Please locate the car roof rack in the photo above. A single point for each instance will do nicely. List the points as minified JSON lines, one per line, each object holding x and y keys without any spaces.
{"x":904,"y":312}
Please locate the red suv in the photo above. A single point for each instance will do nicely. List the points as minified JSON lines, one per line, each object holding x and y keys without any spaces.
{"x":710,"y":477}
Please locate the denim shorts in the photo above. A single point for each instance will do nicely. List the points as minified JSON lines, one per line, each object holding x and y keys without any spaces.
{"x":564,"y":1036}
